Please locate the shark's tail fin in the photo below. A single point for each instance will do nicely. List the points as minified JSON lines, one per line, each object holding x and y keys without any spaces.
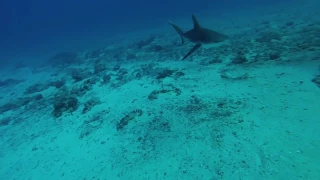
{"x":179,"y":30}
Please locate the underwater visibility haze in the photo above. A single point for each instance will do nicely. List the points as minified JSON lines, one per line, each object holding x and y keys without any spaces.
{"x":170,"y":90}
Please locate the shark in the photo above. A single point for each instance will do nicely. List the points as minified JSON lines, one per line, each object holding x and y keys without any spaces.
{"x":198,"y":35}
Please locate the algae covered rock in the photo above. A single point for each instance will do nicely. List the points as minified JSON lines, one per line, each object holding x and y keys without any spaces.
{"x":63,"y":102}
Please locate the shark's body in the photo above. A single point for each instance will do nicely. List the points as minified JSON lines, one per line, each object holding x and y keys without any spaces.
{"x":199,"y":35}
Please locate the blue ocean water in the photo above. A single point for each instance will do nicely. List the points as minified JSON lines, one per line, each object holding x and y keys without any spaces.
{"x":107,"y":90}
{"x":36,"y":29}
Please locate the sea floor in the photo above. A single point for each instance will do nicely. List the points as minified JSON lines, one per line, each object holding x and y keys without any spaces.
{"x":247,"y":108}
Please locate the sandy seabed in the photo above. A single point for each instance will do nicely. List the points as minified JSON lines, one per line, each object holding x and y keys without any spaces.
{"x":247,"y":108}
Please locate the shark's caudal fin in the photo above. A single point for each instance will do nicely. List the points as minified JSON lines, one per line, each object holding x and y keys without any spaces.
{"x":195,"y":22}
{"x":179,"y":30}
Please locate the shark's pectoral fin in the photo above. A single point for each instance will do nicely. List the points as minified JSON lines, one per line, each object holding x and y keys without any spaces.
{"x":197,"y":46}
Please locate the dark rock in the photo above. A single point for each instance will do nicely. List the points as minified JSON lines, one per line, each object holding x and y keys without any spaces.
{"x":131,"y":56}
{"x":99,"y":66}
{"x":64,"y":102}
{"x":267,"y":37}
{"x":19,"y":103}
{"x":36,"y":88}
{"x":146,"y":42}
{"x":5,"y":121}
{"x":169,"y":89}
{"x":77,"y":75}
{"x":165,"y":73}
{"x":94,"y":54}
{"x":178,"y":74}
{"x":64,"y":58}
{"x":106,"y":78}
{"x":274,"y":55}
{"x":57,"y":84}
{"x":8,"y":106}
{"x":10,"y":82}
{"x":82,"y":89}
{"x":157,"y":48}
{"x":289,"y":24}
{"x":240,"y":58}
{"x":116,"y":67}
{"x":153,"y":95}
{"x":316,"y":80}
{"x":38,"y":97}
{"x":129,"y":117}
{"x":90,"y":104}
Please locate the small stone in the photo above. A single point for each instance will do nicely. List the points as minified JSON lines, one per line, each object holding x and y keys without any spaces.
{"x":274,"y":56}
{"x":316,"y":80}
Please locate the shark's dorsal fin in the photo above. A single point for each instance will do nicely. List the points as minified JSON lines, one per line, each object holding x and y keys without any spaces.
{"x":195,"y":22}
